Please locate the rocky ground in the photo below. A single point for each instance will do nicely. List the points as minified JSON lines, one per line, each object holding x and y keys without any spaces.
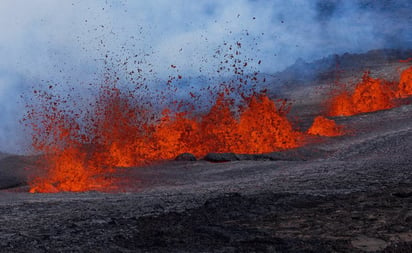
{"x":345,"y":194}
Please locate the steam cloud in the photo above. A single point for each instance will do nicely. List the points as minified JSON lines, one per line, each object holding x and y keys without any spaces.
{"x":66,"y":41}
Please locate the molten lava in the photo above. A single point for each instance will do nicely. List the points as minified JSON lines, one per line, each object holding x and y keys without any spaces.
{"x":70,"y":165}
{"x":369,"y":95}
{"x":264,"y":128}
{"x":83,"y":152}
{"x":325,"y":127}
{"x":82,"y":147}
{"x":405,"y":83}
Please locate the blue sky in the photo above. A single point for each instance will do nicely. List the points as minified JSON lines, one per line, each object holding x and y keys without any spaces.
{"x":66,"y":41}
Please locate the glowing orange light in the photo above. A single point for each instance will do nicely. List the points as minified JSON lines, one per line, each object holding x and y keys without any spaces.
{"x":119,"y":133}
{"x":405,"y":83}
{"x":325,"y":127}
{"x":369,"y":95}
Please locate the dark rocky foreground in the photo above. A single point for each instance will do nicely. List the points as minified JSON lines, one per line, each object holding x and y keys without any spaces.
{"x":263,"y":222}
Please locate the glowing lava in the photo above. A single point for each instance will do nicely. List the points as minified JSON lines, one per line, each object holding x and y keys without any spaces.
{"x":82,"y":152}
{"x":369,"y":95}
{"x":405,"y":83}
{"x":264,"y":128}
{"x":325,"y":127}
{"x":82,"y":147}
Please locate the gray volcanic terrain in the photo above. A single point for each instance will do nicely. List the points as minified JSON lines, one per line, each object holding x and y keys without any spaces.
{"x":351,"y":193}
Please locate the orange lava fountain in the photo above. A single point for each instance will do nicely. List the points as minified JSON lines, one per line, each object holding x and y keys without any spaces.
{"x":82,"y":149}
{"x":71,"y":165}
{"x":82,"y":153}
{"x":369,"y":95}
{"x":325,"y":127}
{"x":405,"y":83}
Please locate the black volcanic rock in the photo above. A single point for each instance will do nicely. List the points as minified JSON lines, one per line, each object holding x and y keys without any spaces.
{"x":221,"y":157}
{"x":186,"y":157}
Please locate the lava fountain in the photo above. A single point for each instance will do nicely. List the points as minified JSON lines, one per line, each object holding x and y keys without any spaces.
{"x":405,"y":83}
{"x":371,"y":94}
{"x":82,"y":147}
{"x":82,"y":152}
{"x":323,"y":126}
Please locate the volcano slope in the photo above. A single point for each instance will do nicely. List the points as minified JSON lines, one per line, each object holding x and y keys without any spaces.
{"x":345,"y":194}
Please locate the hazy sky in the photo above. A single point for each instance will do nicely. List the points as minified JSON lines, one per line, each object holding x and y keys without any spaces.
{"x":66,"y":41}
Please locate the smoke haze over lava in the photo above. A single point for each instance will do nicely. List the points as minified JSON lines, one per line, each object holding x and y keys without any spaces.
{"x":46,"y":41}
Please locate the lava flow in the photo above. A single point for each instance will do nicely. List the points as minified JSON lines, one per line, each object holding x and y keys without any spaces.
{"x":82,"y":152}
